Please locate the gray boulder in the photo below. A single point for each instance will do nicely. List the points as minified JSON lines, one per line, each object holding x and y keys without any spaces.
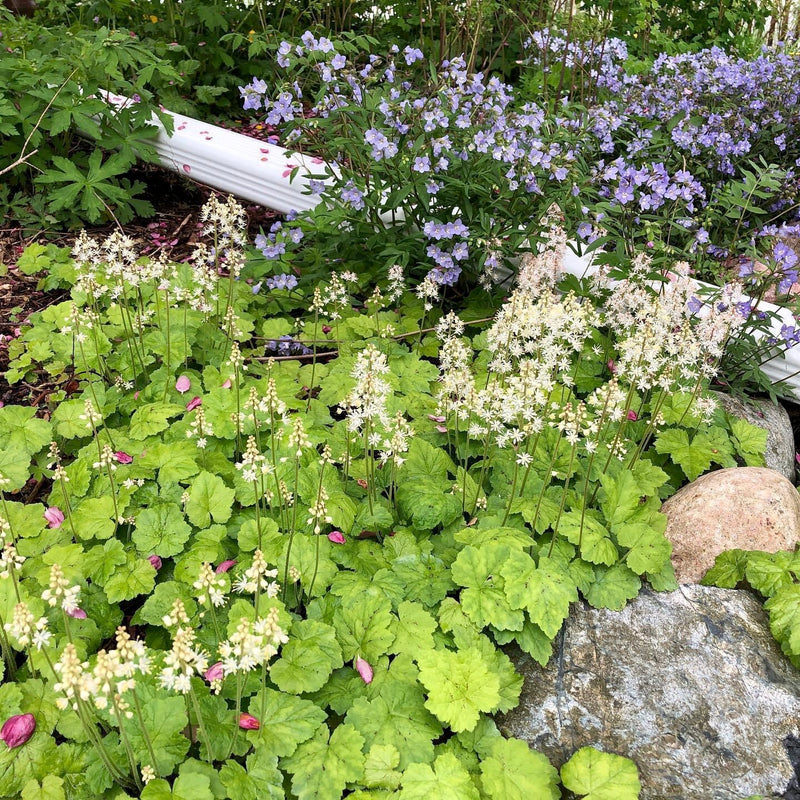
{"x":774,"y":419}
{"x":689,"y":684}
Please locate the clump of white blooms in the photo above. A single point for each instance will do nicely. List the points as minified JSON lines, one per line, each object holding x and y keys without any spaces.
{"x":199,"y":428}
{"x":366,"y":403}
{"x":252,"y":644}
{"x":210,"y":587}
{"x":253,"y":464}
{"x":257,"y":577}
{"x":183,"y":660}
{"x":28,"y":630}
{"x":60,"y":592}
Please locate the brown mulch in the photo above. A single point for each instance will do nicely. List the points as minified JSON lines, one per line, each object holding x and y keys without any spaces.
{"x":173,"y":231}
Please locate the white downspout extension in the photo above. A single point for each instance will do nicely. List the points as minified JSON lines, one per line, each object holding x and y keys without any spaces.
{"x":262,"y":173}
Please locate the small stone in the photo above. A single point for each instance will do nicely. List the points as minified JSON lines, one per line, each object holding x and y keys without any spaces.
{"x":749,"y":508}
{"x":690,"y":684}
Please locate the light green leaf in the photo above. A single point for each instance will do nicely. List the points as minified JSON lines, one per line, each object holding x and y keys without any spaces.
{"x":209,"y":498}
{"x":447,"y":779}
{"x":189,"y":786}
{"x":131,"y":579}
{"x":484,"y":600}
{"x":151,"y":419}
{"x":165,"y":720}
{"x":51,"y":788}
{"x":460,"y":686}
{"x":397,"y":717}
{"x":308,"y":658}
{"x":321,"y":768}
{"x":94,"y":518}
{"x":545,"y":591}
{"x":515,"y":772}
{"x":380,"y":767}
{"x":161,"y":529}
{"x":613,"y":587}
{"x":413,"y":629}
{"x":784,"y":617}
{"x":601,"y":776}
{"x":175,"y":461}
{"x":292,"y":721}
{"x":363,"y":626}
{"x":728,"y":570}
{"x":21,"y":430}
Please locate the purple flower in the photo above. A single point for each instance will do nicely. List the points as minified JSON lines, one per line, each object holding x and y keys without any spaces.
{"x":248,"y":722}
{"x":338,"y":61}
{"x":412,"y":54}
{"x":214,"y":672}
{"x":183,"y":384}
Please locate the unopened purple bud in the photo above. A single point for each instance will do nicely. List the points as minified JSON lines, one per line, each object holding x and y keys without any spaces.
{"x":18,"y":729}
{"x":54,"y":517}
{"x":364,"y":669}
{"x":194,"y":403}
{"x":248,"y":722}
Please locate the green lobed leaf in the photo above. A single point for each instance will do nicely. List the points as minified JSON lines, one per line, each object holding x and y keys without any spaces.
{"x":513,"y":771}
{"x":445,"y":779}
{"x":601,"y":776}
{"x":308,"y":658}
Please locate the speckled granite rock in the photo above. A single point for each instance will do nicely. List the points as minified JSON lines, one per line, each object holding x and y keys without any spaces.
{"x":750,"y":508}
{"x":774,"y":419}
{"x":690,"y":684}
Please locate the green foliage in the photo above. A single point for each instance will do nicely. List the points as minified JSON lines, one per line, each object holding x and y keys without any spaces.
{"x":49,"y":119}
{"x":378,"y":562}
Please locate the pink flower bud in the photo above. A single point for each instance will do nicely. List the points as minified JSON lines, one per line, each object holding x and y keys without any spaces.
{"x":632,"y":415}
{"x":193,"y":403}
{"x":122,"y":457}
{"x":155,"y":562}
{"x":337,"y":537}
{"x":248,"y":722}
{"x":214,"y":672}
{"x":54,"y":517}
{"x":183,"y":384}
{"x":224,"y":566}
{"x":363,"y":669}
{"x":18,"y":729}
{"x":76,"y":613}
{"x":227,"y":384}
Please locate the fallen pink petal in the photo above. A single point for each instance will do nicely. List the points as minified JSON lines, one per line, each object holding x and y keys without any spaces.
{"x":364,"y":669}
{"x":122,"y":457}
{"x":632,"y":415}
{"x":18,"y":729}
{"x":183,"y":384}
{"x":337,"y":537}
{"x":194,"y":403}
{"x":436,"y":418}
{"x":76,"y":613}
{"x":248,"y":722}
{"x":155,"y":562}
{"x":441,"y":428}
{"x":224,"y":566}
{"x":227,"y":384}
{"x":214,"y":672}
{"x":54,"y":517}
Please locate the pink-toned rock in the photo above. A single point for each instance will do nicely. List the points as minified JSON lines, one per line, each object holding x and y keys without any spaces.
{"x":750,"y":508}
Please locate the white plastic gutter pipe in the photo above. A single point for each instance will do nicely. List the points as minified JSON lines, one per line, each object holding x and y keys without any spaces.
{"x":262,"y":173}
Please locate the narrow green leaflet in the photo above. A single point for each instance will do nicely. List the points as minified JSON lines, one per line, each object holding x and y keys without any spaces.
{"x":445,"y":779}
{"x":308,"y":658}
{"x":601,"y":776}
{"x":484,"y":600}
{"x":460,"y":686}
{"x":544,"y":591}
{"x":515,"y":772}
{"x":321,"y":768}
{"x":209,"y":498}
{"x":292,"y":721}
